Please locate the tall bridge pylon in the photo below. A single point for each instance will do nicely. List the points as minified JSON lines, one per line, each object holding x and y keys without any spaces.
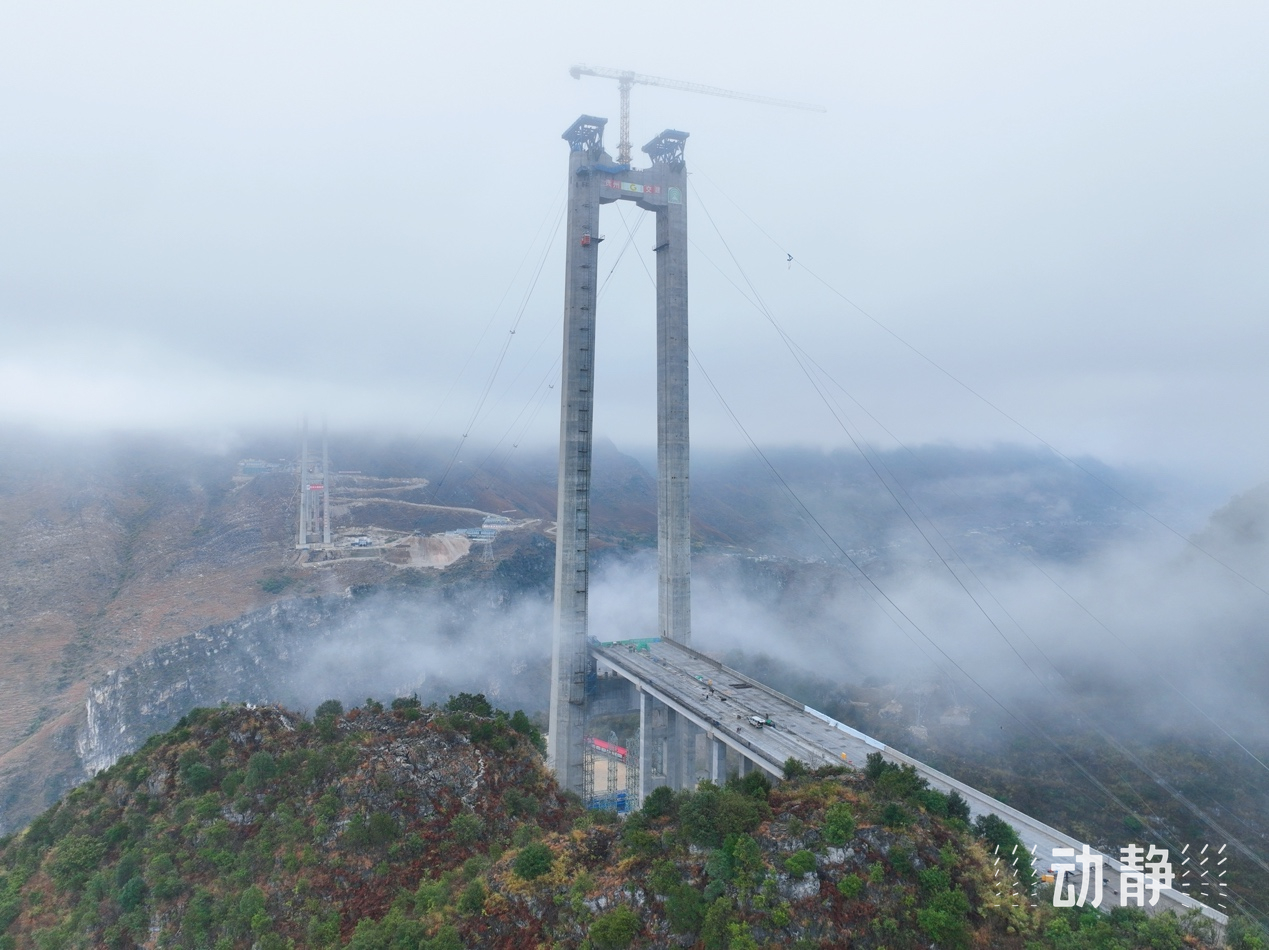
{"x":682,"y":696}
{"x":594,"y":179}
{"x":314,"y":520}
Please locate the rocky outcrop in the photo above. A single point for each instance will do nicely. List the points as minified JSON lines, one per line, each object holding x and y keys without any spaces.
{"x":300,"y":652}
{"x":243,"y":661}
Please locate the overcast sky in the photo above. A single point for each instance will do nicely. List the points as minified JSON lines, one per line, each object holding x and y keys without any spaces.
{"x":223,"y":214}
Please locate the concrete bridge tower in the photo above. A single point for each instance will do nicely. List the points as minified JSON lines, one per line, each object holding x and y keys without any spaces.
{"x":594,"y":180}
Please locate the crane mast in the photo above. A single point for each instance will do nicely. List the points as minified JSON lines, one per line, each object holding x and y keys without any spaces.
{"x":626,"y":79}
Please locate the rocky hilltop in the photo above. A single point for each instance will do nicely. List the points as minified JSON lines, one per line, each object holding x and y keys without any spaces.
{"x":115,"y":548}
{"x":438,"y":828}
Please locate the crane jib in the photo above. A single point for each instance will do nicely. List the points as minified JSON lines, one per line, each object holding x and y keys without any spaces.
{"x":626,"y":79}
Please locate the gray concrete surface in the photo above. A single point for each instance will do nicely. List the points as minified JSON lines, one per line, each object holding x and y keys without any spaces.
{"x":720,"y":701}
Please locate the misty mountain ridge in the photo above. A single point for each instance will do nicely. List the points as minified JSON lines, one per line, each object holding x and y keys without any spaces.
{"x":155,"y":541}
{"x":987,"y":498}
{"x":1238,"y":534}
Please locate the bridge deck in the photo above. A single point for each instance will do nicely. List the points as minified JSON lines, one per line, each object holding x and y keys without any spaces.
{"x":720,"y":701}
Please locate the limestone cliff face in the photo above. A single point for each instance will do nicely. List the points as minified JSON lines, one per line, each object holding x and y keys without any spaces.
{"x":244,"y":661}
{"x":302,"y":651}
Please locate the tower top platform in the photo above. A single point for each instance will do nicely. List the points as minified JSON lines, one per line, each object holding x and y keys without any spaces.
{"x":586,"y":134}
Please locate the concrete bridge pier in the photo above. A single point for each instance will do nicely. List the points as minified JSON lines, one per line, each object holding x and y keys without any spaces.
{"x":717,"y":761}
{"x":689,"y":735}
{"x":660,"y":745}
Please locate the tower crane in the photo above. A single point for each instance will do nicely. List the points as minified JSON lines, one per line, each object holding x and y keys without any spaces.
{"x":625,"y":79}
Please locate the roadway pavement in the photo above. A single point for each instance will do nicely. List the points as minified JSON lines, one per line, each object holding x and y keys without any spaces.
{"x":721,"y":701}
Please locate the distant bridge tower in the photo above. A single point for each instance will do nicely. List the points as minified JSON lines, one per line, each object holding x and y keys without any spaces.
{"x":301,"y":530}
{"x":325,"y":488}
{"x":594,"y":180}
{"x":314,"y":495}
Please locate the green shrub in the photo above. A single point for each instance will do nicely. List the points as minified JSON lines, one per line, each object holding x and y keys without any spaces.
{"x":933,"y":801}
{"x":895,"y":815}
{"x":714,"y":930}
{"x":640,"y":843}
{"x":533,"y":861}
{"x":902,"y":781}
{"x":614,"y":930}
{"x":327,"y":806}
{"x":482,"y":732}
{"x":465,"y":828}
{"x":115,"y":834}
{"x":839,"y":824}
{"x":665,"y":877}
{"x":934,"y":880}
{"x":755,"y":785}
{"x":260,"y":769}
{"x":1245,"y":933}
{"x":660,"y":802}
{"x":519,"y":804}
{"x":198,"y":777}
{"x":944,"y":921}
{"x":163,"y":879}
{"x":381,"y":829}
{"x":132,"y":893}
{"x":525,"y":833}
{"x":74,"y":859}
{"x":711,"y":814}
{"x":740,"y":936}
{"x":523,"y":725}
{"x":475,"y":866}
{"x":128,"y":865}
{"x":327,"y":728}
{"x":800,"y":863}
{"x":207,"y":807}
{"x":685,"y":909}
{"x":794,"y":768}
{"x":372,"y":935}
{"x":323,"y":931}
{"x":430,"y":895}
{"x":446,"y":938}
{"x":1008,"y":845}
{"x":851,"y":886}
{"x":472,"y":900}
{"x":232,"y":782}
{"x":474,"y":703}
